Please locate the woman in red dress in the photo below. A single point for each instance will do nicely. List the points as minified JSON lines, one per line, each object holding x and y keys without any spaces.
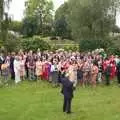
{"x":45,"y":75}
{"x":113,"y":70}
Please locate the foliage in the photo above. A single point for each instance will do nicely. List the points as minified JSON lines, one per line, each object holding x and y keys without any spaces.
{"x":115,"y":47}
{"x":29,"y":27}
{"x":113,"y":50}
{"x":73,"y":47}
{"x":4,"y":20}
{"x":92,"y":44}
{"x":40,"y":14}
{"x":94,"y":21}
{"x":12,"y":43}
{"x":34,"y":43}
{"x":60,"y":23}
{"x":116,"y":29}
{"x":15,"y":26}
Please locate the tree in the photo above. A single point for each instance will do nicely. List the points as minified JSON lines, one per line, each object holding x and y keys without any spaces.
{"x":116,"y":29}
{"x":4,"y":20}
{"x":92,"y":19}
{"x":41,"y":12}
{"x":15,"y":26}
{"x":13,"y":43}
{"x":60,"y":24}
{"x":30,"y":26}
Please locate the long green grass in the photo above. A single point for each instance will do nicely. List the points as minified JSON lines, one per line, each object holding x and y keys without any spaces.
{"x":40,"y":101}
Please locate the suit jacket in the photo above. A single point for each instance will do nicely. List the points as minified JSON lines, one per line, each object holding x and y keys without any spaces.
{"x":118,"y":68}
{"x":12,"y":62}
{"x":67,"y":88}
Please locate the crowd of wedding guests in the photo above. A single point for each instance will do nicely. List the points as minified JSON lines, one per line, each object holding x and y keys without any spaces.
{"x":82,"y":68}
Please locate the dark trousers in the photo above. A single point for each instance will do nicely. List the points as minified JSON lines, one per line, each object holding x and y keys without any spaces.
{"x":107,"y":78}
{"x":118,"y":78}
{"x":12,"y":74}
{"x":67,"y":105}
{"x":27,"y":72}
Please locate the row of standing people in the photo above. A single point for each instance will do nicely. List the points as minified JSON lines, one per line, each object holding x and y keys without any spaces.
{"x":84,"y":69}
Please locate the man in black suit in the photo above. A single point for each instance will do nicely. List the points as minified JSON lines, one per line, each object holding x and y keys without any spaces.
{"x":12,"y":58}
{"x":118,"y":73}
{"x":67,"y":91}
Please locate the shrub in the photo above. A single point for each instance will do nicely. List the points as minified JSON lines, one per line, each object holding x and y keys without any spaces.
{"x":92,"y":44}
{"x":72,"y":47}
{"x":12,"y":43}
{"x":113,"y":50}
{"x":34,"y":43}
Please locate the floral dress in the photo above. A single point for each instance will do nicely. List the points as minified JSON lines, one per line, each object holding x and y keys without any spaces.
{"x":22,"y":68}
{"x":72,"y":71}
{"x":39,"y":68}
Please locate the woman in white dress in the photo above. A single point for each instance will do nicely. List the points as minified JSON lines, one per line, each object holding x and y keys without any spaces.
{"x":17,"y":69}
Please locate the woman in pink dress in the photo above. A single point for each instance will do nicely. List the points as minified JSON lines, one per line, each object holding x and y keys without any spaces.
{"x":38,"y":70}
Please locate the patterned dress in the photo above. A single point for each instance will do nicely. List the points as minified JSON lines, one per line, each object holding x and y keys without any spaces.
{"x":22,"y":68}
{"x":72,"y":71}
{"x":39,"y":68}
{"x":94,"y":73}
{"x":31,"y":67}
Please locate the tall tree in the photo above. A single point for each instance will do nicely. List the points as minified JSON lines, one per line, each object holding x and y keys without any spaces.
{"x":60,"y":23}
{"x":41,"y":11}
{"x":92,"y":19}
{"x":4,"y":19}
{"x":15,"y":26}
{"x":30,"y":26}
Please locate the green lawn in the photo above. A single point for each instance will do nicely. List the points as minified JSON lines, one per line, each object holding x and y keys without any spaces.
{"x":40,"y":101}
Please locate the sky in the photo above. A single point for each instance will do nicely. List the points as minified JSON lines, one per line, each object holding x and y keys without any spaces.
{"x":118,"y":19}
{"x":17,"y":9}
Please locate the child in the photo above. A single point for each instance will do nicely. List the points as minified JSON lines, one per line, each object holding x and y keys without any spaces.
{"x":5,"y":70}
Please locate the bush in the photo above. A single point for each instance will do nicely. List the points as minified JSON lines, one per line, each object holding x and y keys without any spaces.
{"x":12,"y":43}
{"x":34,"y":43}
{"x":71,"y":47}
{"x":113,"y":51}
{"x":92,"y":44}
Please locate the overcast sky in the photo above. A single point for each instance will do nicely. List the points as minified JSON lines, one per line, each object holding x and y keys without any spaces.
{"x":17,"y":9}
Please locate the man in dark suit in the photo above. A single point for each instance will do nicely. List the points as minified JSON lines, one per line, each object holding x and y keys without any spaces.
{"x":67,"y":91}
{"x":12,"y":58}
{"x":118,"y":73}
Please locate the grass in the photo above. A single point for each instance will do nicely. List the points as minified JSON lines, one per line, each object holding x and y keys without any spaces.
{"x":40,"y":101}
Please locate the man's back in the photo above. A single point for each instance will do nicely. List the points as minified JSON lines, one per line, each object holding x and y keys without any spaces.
{"x":67,"y":89}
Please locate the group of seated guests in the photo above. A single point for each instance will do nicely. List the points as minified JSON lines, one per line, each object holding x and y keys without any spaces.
{"x":82,"y":68}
